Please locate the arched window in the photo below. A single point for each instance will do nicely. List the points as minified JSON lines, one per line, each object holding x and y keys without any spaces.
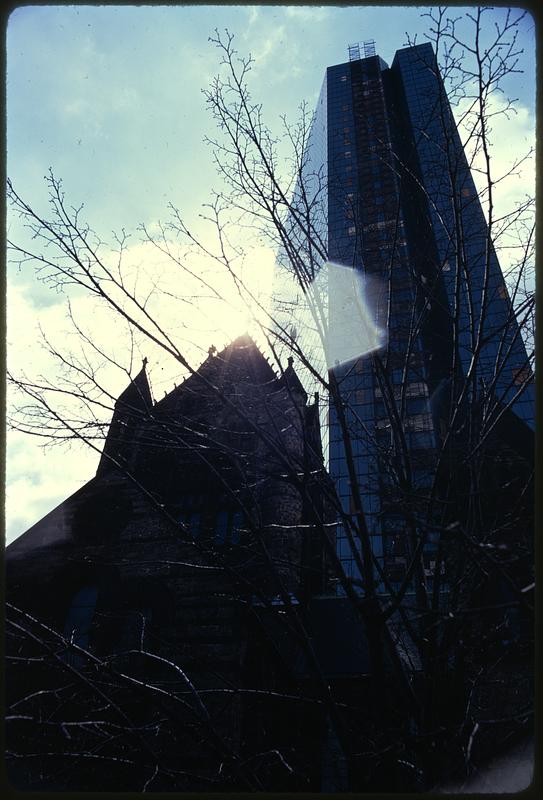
{"x":79,"y":621}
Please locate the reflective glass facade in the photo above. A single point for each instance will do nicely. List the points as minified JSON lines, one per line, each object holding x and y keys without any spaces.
{"x":398,"y":190}
{"x":438,"y":159}
{"x":367,"y":231}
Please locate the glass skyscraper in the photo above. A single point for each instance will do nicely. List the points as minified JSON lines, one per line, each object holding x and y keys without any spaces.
{"x":393,"y":199}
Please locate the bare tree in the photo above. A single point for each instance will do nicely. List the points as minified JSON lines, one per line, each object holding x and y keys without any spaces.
{"x":446,"y":606}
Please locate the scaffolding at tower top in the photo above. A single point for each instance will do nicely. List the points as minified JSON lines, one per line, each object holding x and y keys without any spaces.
{"x":367,"y":47}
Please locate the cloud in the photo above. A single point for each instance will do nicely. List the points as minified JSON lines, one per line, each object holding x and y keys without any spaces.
{"x":510,"y":136}
{"x":267,"y":47}
{"x":277,"y":58}
{"x":308,"y":13}
{"x":253,"y":13}
{"x":38,"y":480}
{"x":22,"y":326}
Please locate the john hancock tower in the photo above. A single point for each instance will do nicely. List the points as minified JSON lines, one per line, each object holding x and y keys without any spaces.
{"x":406,"y":304}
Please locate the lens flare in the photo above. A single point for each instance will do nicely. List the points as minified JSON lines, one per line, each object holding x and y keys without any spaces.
{"x":351,"y":331}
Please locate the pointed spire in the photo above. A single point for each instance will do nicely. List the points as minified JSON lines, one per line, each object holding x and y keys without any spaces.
{"x":291,"y":379}
{"x":131,"y":408}
{"x":138,"y":393}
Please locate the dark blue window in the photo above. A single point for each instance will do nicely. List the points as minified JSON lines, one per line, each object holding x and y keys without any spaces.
{"x":416,"y":405}
{"x":421,"y":440}
{"x":238,"y":520}
{"x":194,"y":524}
{"x":221,"y":526}
{"x":80,"y":616}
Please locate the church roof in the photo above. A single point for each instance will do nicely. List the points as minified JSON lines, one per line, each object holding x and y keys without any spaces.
{"x":138,"y":393}
{"x":242,"y":359}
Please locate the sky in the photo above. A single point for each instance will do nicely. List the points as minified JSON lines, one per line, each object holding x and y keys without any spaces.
{"x":110,"y":98}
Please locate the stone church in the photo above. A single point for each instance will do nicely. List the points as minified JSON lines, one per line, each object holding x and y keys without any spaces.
{"x":173,"y":624}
